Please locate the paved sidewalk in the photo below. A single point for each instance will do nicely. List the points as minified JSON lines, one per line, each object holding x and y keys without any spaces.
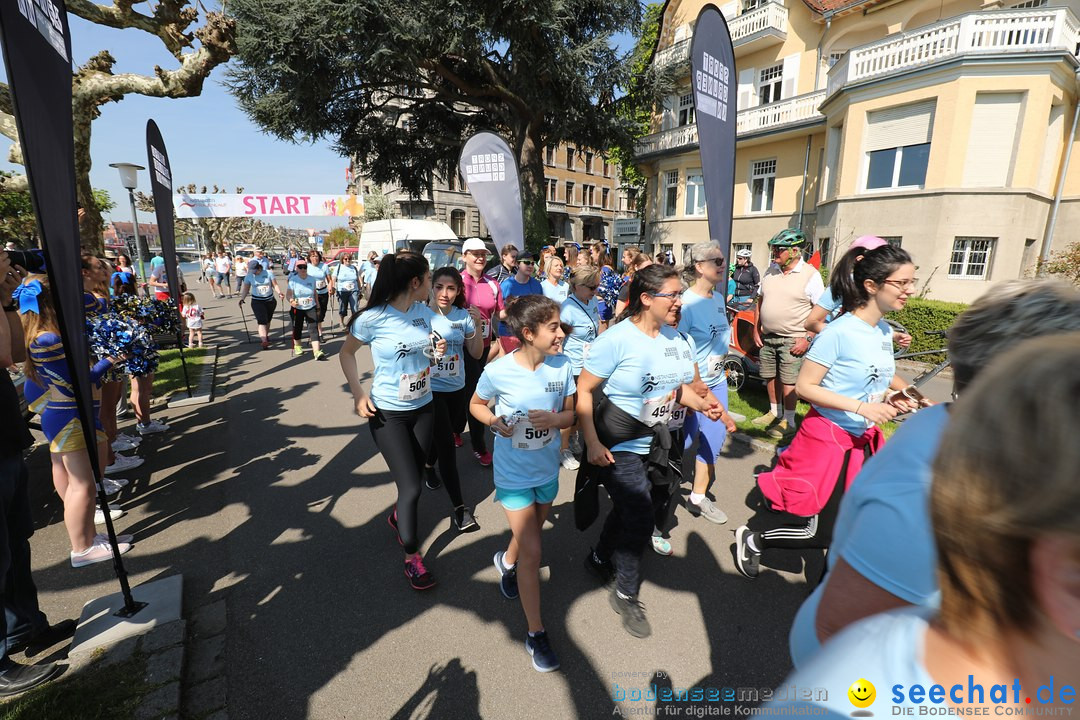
{"x":272,"y":502}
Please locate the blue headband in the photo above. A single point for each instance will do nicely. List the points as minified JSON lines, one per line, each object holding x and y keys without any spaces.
{"x":26,"y":295}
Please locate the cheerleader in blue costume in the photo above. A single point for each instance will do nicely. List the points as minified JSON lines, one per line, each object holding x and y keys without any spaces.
{"x":50,"y":392}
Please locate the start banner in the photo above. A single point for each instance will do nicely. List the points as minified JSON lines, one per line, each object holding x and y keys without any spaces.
{"x":219,"y":205}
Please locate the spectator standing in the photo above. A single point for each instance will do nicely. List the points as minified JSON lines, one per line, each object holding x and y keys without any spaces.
{"x":789,"y":289}
{"x":507,"y":266}
{"x":240,"y":271}
{"x":222,"y":270}
{"x":746,"y":276}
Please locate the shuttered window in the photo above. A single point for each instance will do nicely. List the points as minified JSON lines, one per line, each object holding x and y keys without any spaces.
{"x":992,"y":139}
{"x":900,"y":126}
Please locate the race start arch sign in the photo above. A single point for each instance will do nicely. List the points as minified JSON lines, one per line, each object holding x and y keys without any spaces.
{"x":219,"y":205}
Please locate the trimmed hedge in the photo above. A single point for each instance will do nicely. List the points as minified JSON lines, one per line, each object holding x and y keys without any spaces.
{"x":919,"y":316}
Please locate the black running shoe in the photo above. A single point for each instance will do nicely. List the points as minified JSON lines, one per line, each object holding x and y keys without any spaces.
{"x":602,"y":570}
{"x":747,"y":560}
{"x":464,"y":520}
{"x":632,"y":613}
{"x":544,"y":658}
{"x":507,"y":577}
{"x":432,"y":479}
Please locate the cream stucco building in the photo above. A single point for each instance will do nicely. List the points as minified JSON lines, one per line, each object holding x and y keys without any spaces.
{"x":941,"y":126}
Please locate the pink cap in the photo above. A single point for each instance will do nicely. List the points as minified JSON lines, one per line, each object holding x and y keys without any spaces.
{"x":869,"y":242}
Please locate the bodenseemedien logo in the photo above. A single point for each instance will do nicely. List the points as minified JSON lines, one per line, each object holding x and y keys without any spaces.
{"x":862,"y":694}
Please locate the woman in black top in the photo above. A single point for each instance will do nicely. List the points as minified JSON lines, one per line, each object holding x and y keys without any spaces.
{"x":746,"y":276}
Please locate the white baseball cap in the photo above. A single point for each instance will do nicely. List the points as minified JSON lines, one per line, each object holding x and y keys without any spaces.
{"x":473,"y":245}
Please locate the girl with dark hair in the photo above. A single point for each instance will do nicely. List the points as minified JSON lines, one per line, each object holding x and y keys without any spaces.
{"x":123,"y":279}
{"x":846,"y":378}
{"x":533,"y":389}
{"x":648,"y":367}
{"x":397,"y":326}
{"x":323,"y":286}
{"x":458,"y":326}
{"x":607,"y":295}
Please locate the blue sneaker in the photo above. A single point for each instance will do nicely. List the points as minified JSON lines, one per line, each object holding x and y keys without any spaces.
{"x":507,"y":577}
{"x":543,"y":657}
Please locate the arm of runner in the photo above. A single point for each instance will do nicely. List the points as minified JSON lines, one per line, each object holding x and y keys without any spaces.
{"x":347,"y":357}
{"x":597,"y":453}
{"x":277,"y":289}
{"x":815,"y":322}
{"x":546,"y":419}
{"x":475,"y":344}
{"x":479,"y":409}
{"x":808,"y":386}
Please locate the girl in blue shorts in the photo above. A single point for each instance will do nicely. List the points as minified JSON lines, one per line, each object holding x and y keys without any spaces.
{"x":533,"y":389}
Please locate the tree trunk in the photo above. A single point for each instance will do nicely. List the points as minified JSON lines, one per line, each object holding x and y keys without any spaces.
{"x":533,"y":197}
{"x":90,"y":223}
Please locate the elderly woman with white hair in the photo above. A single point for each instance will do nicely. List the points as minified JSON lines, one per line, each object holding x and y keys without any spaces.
{"x":883,"y":552}
{"x":1005,"y":510}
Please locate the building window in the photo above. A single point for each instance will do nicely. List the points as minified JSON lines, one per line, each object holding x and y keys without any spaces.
{"x":553,"y":188}
{"x":971,"y":258}
{"x":762,"y":185}
{"x":607,"y":168}
{"x":457,"y":222}
{"x":695,"y":193}
{"x":898,"y":167}
{"x":686,"y":110}
{"x":569,"y":193}
{"x":895,"y":240}
{"x":549,"y":156}
{"x":587,"y":195}
{"x":605,"y":198}
{"x":631,"y":200}
{"x":749,"y":5}
{"x":770,"y":82}
{"x":451,"y":181}
{"x":569,"y":158}
{"x":588,"y":162}
{"x":671,"y":193}
{"x":1030,"y":4}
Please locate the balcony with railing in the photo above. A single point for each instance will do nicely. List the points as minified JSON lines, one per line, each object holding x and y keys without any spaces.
{"x":752,"y":31}
{"x":980,"y":33}
{"x":780,"y":115}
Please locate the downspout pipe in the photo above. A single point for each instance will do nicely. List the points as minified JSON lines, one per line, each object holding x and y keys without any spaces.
{"x":821,"y":44}
{"x":1048,"y":236}
{"x":805,"y":173}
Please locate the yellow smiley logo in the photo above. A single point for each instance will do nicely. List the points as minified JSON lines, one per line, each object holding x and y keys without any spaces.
{"x":862,"y":693}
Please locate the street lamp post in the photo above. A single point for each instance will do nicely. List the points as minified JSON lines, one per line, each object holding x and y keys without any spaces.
{"x":129,"y":178}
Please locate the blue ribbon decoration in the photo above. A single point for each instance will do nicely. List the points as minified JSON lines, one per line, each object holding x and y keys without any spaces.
{"x":26,"y":295}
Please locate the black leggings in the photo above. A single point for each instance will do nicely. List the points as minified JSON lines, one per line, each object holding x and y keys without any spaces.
{"x":792,"y":531}
{"x":324,"y":302}
{"x":448,"y":407}
{"x":473,"y":370}
{"x":298,"y":318}
{"x":404,"y":437}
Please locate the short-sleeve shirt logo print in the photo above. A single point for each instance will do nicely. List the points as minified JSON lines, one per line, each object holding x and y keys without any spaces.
{"x":649,"y":381}
{"x":403,"y":349}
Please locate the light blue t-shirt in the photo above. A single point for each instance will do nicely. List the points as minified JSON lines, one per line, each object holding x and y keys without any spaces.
{"x":511,"y":288}
{"x":303,"y":290}
{"x":319,"y":273}
{"x":346,"y":278}
{"x":860,"y":362}
{"x":584,"y":318}
{"x":370,"y":273}
{"x":558,"y":293}
{"x":830,"y":304}
{"x":516,"y":389}
{"x":883,"y":530}
{"x":640,"y":370}
{"x":448,"y":374}
{"x":402,"y":377}
{"x":262,"y":285}
{"x":885,"y":649}
{"x":705,"y":320}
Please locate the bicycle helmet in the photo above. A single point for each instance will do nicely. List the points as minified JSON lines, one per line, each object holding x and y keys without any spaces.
{"x":744,"y":253}
{"x":788,"y":237}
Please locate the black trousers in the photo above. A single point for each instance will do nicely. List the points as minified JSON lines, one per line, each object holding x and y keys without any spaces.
{"x":791,"y":531}
{"x":324,"y":302}
{"x":404,"y":439}
{"x":473,"y":370}
{"x":22,"y":617}
{"x":447,"y":407}
{"x":629,"y":525}
{"x":298,"y":318}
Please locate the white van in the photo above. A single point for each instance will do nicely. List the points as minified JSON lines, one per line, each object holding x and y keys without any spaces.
{"x":387,"y":236}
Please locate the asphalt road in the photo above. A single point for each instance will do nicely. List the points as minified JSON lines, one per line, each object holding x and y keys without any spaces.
{"x":275,"y":498}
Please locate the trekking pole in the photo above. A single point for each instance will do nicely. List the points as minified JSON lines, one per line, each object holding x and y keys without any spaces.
{"x":243,"y":316}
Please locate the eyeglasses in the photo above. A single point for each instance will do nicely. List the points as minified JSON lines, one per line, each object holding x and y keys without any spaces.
{"x":667,"y":295}
{"x":526,"y":262}
{"x":718,"y":262}
{"x":902,"y":284}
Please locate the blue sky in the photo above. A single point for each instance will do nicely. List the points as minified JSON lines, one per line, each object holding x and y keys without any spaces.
{"x":210,"y":141}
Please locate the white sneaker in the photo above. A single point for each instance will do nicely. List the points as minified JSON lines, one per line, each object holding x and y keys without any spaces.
{"x":113,"y":486}
{"x":133,"y":439}
{"x":568,"y":460}
{"x":123,"y":446}
{"x":118,"y":482}
{"x":98,"y":552}
{"x":124,"y":462}
{"x":104,"y":537}
{"x":151,"y":427}
{"x":115,"y":512}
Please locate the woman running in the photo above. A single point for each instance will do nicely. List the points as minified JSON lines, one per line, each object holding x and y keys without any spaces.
{"x":301,"y":294}
{"x":648,"y":367}
{"x":347,"y":281}
{"x":397,"y":326}
{"x":262,"y":286}
{"x":580,"y":313}
{"x":704,"y":318}
{"x":554,"y":286}
{"x":533,"y":390}
{"x":322,"y":287}
{"x":458,"y":327}
{"x":50,"y":393}
{"x":484,"y":294}
{"x":846,"y":378}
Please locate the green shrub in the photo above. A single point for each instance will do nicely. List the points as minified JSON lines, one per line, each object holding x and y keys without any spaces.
{"x":919,"y":316}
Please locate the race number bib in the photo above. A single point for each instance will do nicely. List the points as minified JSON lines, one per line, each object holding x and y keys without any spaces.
{"x":585,"y":351}
{"x":348,"y":286}
{"x":485,"y":328}
{"x":678,"y":417}
{"x":658,"y":410}
{"x":448,"y":366}
{"x":305,"y":303}
{"x":714,"y":366}
{"x":527,"y":437}
{"x":262,"y":291}
{"x":320,"y":284}
{"x":414,"y":386}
